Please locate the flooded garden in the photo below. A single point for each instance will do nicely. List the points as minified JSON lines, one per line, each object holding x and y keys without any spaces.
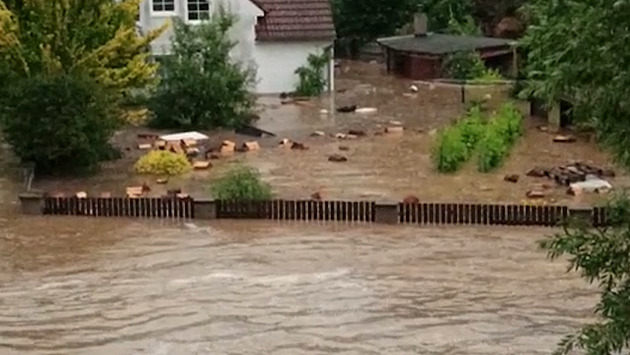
{"x":378,"y":166}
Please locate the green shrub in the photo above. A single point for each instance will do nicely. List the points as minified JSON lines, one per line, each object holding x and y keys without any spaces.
{"x":311,"y":77}
{"x":492,"y":149}
{"x":451,"y":151}
{"x":472,"y":127}
{"x":469,"y":66}
{"x":200,"y":86}
{"x":456,"y":144}
{"x":162,"y":163}
{"x":499,"y":137}
{"x":60,"y":123}
{"x":241,"y":184}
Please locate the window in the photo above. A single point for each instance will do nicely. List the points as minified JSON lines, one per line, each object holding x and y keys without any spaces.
{"x":163,"y":5}
{"x":198,"y":10}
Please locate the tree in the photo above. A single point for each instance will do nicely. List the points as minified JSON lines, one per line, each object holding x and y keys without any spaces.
{"x":358,"y":23}
{"x":578,"y":49}
{"x":201,"y":86}
{"x":97,"y":38}
{"x":60,"y":123}
{"x":601,"y":255}
{"x":311,"y":76}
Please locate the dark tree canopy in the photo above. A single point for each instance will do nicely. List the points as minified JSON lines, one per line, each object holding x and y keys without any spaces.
{"x":579,"y":50}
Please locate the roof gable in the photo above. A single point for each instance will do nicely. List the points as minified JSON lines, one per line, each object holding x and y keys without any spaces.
{"x":294,"y":20}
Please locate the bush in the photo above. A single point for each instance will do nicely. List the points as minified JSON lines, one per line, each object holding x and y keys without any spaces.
{"x":456,"y":144}
{"x":201,"y":87}
{"x":501,"y":134}
{"x":59,"y":123}
{"x":312,"y":81}
{"x":241,"y":184}
{"x":451,"y":152}
{"x":163,"y":163}
{"x":469,"y":66}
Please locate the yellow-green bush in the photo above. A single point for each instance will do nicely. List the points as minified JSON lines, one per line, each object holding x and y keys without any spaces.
{"x":162,"y":162}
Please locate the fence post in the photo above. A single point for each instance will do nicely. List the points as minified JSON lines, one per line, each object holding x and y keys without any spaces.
{"x":32,"y":202}
{"x":205,"y":209}
{"x":584,"y":214}
{"x":386,"y":213}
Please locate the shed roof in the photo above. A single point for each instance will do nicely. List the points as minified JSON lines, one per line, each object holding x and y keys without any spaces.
{"x":295,"y":20}
{"x":439,"y":43}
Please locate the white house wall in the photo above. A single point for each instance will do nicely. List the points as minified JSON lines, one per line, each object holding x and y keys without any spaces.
{"x":275,"y":62}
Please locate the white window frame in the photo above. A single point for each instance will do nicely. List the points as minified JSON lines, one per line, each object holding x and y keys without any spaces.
{"x":187,"y":12}
{"x":164,"y":13}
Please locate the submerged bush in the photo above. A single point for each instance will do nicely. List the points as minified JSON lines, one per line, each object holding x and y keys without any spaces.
{"x":241,"y":184}
{"x":162,"y":162}
{"x":499,"y":137}
{"x":456,"y":144}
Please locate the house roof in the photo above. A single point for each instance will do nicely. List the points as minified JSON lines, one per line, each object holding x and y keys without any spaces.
{"x":295,"y":20}
{"x":440,"y":44}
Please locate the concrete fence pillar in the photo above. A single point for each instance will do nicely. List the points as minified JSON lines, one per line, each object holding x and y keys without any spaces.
{"x":32,"y":203}
{"x":205,"y":209}
{"x":386,"y":213}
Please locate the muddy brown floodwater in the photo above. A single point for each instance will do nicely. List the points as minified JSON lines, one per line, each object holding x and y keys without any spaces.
{"x":88,"y":286}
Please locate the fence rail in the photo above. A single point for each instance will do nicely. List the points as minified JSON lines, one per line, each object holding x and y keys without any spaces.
{"x":309,"y":210}
{"x":120,"y":207}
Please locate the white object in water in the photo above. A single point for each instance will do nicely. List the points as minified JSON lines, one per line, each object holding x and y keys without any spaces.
{"x":413,"y":88}
{"x":366,"y":110}
{"x":184,"y":136}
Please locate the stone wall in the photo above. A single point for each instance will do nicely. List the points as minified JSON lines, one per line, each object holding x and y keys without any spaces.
{"x":493,"y":95}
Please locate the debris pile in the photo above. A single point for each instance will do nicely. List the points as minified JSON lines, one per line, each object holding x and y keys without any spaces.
{"x":566,"y":175}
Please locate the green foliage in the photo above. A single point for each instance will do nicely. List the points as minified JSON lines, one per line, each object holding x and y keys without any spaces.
{"x":162,"y":163}
{"x":97,"y":38}
{"x":499,"y":137}
{"x":465,"y":26}
{"x":312,"y":76}
{"x":456,"y":144}
{"x":241,"y":184}
{"x":201,"y":87}
{"x":357,"y":24}
{"x":468,"y":66}
{"x":578,"y":49}
{"x":601,"y":256}
{"x":449,"y":14}
{"x":59,"y":123}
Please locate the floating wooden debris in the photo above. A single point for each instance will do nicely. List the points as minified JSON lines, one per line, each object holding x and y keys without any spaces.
{"x":202,"y":165}
{"x":134,"y":191}
{"x":337,"y":158}
{"x":564,"y":139}
{"x":298,"y":146}
{"x":513,"y":178}
{"x":251,"y":146}
{"x":394,"y":129}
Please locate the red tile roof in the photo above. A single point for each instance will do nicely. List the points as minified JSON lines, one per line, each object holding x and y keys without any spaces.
{"x":295,"y":20}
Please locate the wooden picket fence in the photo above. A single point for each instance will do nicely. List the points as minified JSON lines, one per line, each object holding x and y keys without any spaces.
{"x":301,"y":210}
{"x":479,"y":214}
{"x":308,"y":210}
{"x":120,"y":207}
